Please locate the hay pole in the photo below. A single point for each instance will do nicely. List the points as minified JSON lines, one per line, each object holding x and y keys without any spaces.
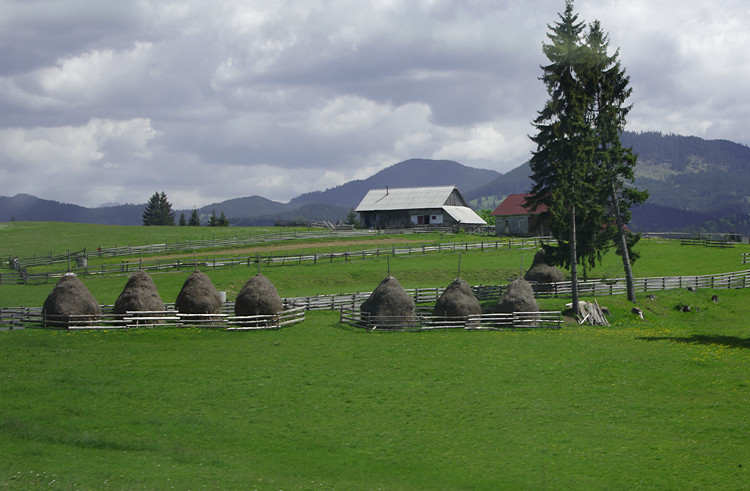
{"x":389,"y":265}
{"x":459,"y":266}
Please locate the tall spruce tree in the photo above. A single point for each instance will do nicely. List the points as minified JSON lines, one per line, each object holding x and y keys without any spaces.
{"x":560,"y":166}
{"x":158,"y":210}
{"x":608,"y":87}
{"x":580,"y":169}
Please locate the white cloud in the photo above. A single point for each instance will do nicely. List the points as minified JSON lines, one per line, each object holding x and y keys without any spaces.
{"x":284,"y":97}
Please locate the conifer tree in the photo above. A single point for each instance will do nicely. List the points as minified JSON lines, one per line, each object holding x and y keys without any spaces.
{"x":195,"y":219}
{"x":223,"y":221}
{"x":158,"y":210}
{"x":580,"y":169}
{"x":608,"y":87}
{"x":560,"y":165}
{"x":182,"y":222}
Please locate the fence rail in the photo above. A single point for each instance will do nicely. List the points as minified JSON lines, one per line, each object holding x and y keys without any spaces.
{"x":23,"y":276}
{"x":424,"y":322}
{"x":33,"y":317}
{"x":212,"y":243}
{"x":18,"y":317}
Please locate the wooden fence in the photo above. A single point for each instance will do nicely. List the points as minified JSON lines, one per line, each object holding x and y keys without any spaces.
{"x":20,"y":318}
{"x":23,"y":276}
{"x":422,"y":321}
{"x":11,"y":318}
{"x":212,"y":243}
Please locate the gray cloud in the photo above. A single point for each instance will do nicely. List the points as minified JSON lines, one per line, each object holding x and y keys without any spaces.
{"x":112,"y":100}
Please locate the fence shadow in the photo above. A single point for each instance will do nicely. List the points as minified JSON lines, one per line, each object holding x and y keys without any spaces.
{"x":728,"y":341}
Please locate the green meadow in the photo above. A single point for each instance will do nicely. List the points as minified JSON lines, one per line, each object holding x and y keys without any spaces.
{"x":655,"y":404}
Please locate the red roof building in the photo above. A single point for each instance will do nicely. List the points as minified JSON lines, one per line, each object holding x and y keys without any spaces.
{"x":514,"y":217}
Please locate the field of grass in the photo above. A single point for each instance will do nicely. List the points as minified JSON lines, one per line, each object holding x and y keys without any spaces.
{"x":656,"y":404}
{"x":660,"y":404}
{"x":432,"y":270}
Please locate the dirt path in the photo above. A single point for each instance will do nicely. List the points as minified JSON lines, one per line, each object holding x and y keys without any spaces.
{"x":322,"y":246}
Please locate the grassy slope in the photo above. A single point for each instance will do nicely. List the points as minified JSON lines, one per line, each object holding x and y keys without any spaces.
{"x":655,"y":404}
{"x":661,"y":404}
{"x":489,"y":267}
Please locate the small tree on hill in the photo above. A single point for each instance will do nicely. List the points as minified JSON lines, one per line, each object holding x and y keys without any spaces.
{"x":195,"y":219}
{"x":351,"y":217}
{"x":158,"y":210}
{"x":182,"y":222}
{"x":223,"y":221}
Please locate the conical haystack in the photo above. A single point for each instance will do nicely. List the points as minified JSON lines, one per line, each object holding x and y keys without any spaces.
{"x":541,"y":272}
{"x":258,"y":297}
{"x":140,"y":294}
{"x":389,"y":305}
{"x":458,"y":300}
{"x":198,"y":296}
{"x":519,"y":297}
{"x":70,"y":297}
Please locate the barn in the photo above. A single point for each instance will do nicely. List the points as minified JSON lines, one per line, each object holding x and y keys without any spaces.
{"x":420,"y":206}
{"x":514,"y":217}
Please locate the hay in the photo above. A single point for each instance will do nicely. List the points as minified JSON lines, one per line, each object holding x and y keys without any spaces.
{"x":519,"y":297}
{"x":258,"y":297}
{"x":542,"y":272}
{"x":198,"y":296}
{"x":70,"y":297}
{"x":458,"y":300}
{"x":140,"y":294}
{"x":389,"y":305}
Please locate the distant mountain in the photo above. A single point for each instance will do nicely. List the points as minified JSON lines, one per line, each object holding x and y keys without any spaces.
{"x":409,"y":173}
{"x":311,"y":212}
{"x":694,"y":185}
{"x":492,"y":193}
{"x":24,"y":207}
{"x":691,"y":173}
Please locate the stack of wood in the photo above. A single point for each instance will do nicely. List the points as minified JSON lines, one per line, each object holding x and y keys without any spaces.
{"x":592,"y":314}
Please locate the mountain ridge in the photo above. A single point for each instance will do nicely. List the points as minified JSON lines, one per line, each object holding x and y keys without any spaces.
{"x":694,"y":184}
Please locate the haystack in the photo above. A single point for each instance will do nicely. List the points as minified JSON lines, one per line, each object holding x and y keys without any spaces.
{"x":389,"y":305}
{"x":198,"y":296}
{"x":542,"y":272}
{"x":519,"y":297}
{"x":458,"y":300}
{"x":70,"y":297}
{"x":258,"y":297}
{"x":140,"y":294}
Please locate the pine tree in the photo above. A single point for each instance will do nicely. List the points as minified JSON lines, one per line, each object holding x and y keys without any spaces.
{"x":195,"y":219}
{"x":581,"y":170}
{"x":608,"y":87}
{"x":158,"y":210}
{"x":351,"y":217}
{"x":183,"y":221}
{"x":212,"y":220}
{"x":223,"y":221}
{"x":560,"y":166}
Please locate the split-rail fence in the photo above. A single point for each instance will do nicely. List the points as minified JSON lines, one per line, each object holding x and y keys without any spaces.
{"x":22,"y":275}
{"x":21,"y":316}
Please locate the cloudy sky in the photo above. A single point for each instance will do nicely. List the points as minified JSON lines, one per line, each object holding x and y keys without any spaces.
{"x":110,"y":100}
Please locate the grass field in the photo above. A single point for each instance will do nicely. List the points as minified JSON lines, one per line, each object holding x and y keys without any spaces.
{"x":660,"y":404}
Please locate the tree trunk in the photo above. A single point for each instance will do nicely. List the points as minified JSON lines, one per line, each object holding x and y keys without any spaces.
{"x":624,"y":246}
{"x":573,"y":260}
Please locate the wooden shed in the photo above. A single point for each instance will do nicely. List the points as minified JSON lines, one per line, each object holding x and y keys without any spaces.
{"x":406,"y":207}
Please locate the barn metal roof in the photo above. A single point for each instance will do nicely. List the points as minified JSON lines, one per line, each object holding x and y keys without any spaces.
{"x":405,"y":198}
{"x":462,"y":214}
